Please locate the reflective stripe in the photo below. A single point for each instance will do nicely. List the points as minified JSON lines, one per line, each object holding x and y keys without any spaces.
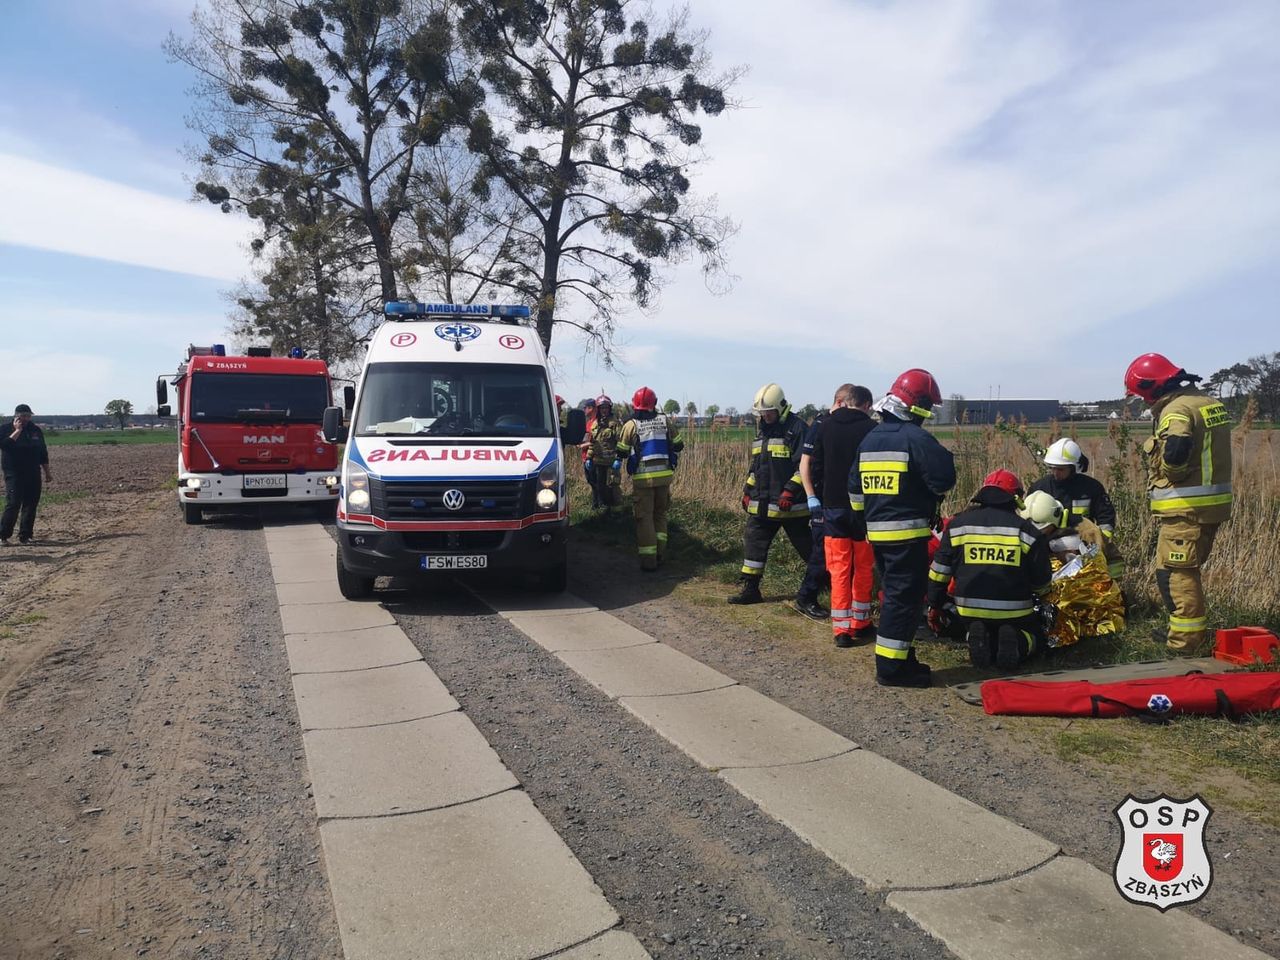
{"x":797,"y":511}
{"x":623,"y":449}
{"x":1206,"y":458}
{"x":990,"y":539}
{"x":885,"y":455}
{"x":1107,"y":529}
{"x":662,"y":538}
{"x":648,"y":551}
{"x":841,"y":624}
{"x":937,"y":577}
{"x":778,"y":448}
{"x":756,"y":448}
{"x":940,"y":568}
{"x":1169,"y":493}
{"x":1164,"y":499}
{"x":1081,"y":506}
{"x":841,"y":614}
{"x":1185,"y":625}
{"x":897,"y":536}
{"x":860,"y":608}
{"x":891,"y":653}
{"x":994,"y":604}
{"x":916,"y":524}
{"x":1170,"y":417}
{"x":1116,"y":569}
{"x":986,"y":531}
{"x":883,"y":641}
{"x":643,"y":474}
{"x":981,"y":613}
{"x":857,"y":504}
{"x":885,"y":466}
{"x":750,"y":566}
{"x":748,"y":572}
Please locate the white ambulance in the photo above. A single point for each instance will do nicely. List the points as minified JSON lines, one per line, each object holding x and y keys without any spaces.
{"x":455,"y":456}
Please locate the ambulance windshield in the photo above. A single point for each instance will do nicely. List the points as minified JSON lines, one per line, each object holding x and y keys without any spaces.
{"x":454,"y":400}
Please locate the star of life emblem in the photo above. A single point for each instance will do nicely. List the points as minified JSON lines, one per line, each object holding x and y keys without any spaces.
{"x":457,"y":332}
{"x":1163,"y":861}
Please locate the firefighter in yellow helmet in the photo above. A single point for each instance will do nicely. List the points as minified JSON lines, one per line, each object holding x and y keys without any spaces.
{"x":1189,"y":487}
{"x":774,"y":499}
{"x":650,"y":443}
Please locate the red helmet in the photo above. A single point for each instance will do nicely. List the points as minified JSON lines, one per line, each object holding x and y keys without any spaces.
{"x":559,"y":401}
{"x":918,"y":390}
{"x":644,"y":399}
{"x":1005,"y":480}
{"x":1148,"y":374}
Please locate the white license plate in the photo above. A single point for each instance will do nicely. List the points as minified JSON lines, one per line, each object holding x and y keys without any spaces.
{"x":473,"y":561}
{"x":265,"y":481}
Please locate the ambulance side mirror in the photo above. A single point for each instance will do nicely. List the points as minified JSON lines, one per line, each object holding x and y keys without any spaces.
{"x":575,"y":428}
{"x":348,"y":397}
{"x":331,"y":427}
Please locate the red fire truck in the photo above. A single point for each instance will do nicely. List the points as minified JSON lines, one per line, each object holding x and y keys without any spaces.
{"x":249,"y":431}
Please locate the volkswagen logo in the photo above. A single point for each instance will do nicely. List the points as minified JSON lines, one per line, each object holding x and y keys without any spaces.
{"x":453,"y":499}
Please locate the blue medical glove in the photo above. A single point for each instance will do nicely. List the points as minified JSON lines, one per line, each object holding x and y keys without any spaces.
{"x":814,"y":504}
{"x":617,"y":465}
{"x":590,"y":464}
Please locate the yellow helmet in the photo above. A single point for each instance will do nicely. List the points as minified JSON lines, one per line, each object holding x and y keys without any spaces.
{"x":769,"y":397}
{"x":1043,"y":510}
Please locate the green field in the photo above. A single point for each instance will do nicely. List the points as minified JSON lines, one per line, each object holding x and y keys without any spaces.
{"x":66,"y":438}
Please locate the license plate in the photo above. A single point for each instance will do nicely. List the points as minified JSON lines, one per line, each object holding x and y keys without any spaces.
{"x":265,"y":481}
{"x":473,"y":561}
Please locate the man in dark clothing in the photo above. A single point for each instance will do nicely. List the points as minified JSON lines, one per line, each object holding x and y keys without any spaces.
{"x":1000,"y":564}
{"x":23,"y":455}
{"x":773,"y":496}
{"x":849,"y":557}
{"x":811,"y":480}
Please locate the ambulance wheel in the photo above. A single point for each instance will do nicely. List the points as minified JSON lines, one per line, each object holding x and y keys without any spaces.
{"x":192,"y":513}
{"x":556,"y":579}
{"x":352,"y":586}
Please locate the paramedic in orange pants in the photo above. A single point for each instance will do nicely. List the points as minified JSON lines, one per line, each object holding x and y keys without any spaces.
{"x":850,"y":559}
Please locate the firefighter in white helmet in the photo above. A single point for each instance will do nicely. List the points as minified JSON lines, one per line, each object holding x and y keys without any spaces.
{"x":1085,"y":498}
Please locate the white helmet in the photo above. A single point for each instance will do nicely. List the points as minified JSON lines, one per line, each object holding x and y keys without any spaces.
{"x":769,"y":397}
{"x":1043,"y":510}
{"x":1063,"y":453}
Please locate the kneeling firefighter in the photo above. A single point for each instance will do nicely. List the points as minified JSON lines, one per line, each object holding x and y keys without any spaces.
{"x":901,"y":475}
{"x":774,"y":497}
{"x":1000,"y":563}
{"x":650,"y":442}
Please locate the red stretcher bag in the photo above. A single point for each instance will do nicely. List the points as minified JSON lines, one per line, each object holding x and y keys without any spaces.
{"x":1218,"y":694}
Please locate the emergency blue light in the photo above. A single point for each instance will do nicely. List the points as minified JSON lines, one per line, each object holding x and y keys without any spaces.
{"x":218,"y":350}
{"x":400,"y":308}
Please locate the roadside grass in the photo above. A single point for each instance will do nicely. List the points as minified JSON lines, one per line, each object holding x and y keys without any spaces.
{"x":64,"y":438}
{"x":1235,"y":763}
{"x":64,"y":496}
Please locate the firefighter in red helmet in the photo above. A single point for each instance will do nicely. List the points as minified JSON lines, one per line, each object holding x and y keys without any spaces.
{"x":1189,"y":487}
{"x":601,"y":445}
{"x":898,"y":481}
{"x":650,"y":443}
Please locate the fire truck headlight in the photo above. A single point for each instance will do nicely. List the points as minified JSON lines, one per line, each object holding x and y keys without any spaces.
{"x":330,"y":481}
{"x":194,"y":483}
{"x":546,"y":499}
{"x":357,"y":488}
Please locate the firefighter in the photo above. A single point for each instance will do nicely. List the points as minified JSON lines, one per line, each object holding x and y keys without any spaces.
{"x":774,"y":499}
{"x":1000,"y":564}
{"x":1069,"y":483}
{"x":23,"y":457}
{"x":650,"y":442}
{"x":1189,"y":487}
{"x":602,"y":454}
{"x":1069,"y":534}
{"x":900,"y":477}
{"x":849,"y":558}
{"x":589,"y":408}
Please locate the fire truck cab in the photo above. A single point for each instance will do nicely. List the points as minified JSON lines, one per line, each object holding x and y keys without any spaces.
{"x":455,"y":454}
{"x":249,"y":431}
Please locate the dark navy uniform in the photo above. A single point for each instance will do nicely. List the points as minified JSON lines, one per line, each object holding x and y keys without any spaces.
{"x":22,"y":458}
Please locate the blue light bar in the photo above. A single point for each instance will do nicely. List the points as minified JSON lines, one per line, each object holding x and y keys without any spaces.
{"x":398,"y":308}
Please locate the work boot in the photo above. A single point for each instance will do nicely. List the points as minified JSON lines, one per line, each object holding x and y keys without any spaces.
{"x":813,"y":610}
{"x":750,"y":592}
{"x":864,"y":634}
{"x":844,"y":640}
{"x":979,"y":645}
{"x":903,"y":673}
{"x":1010,"y":647}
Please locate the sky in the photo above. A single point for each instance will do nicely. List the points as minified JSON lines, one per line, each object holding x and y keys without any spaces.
{"x":1018,"y":197}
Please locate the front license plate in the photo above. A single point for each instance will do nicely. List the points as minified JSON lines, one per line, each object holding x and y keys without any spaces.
{"x":474,"y":561}
{"x":264,"y":481}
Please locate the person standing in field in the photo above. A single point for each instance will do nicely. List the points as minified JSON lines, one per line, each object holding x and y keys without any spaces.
{"x":1189,"y":488}
{"x":650,"y":442}
{"x":23,"y":457}
{"x":602,"y":459}
{"x":589,"y":408}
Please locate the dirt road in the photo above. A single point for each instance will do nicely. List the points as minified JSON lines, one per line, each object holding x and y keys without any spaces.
{"x":157,"y":802}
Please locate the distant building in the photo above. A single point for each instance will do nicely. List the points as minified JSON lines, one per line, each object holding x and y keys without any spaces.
{"x":989,"y":411}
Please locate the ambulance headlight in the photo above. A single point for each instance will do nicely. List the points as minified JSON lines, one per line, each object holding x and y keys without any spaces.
{"x":549,"y":476}
{"x":546,"y":499}
{"x":357,"y":488}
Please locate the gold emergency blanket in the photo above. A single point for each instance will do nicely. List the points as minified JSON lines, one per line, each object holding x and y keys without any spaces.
{"x":1088,"y":600}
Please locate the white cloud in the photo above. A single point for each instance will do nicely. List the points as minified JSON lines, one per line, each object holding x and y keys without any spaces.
{"x":51,"y":208}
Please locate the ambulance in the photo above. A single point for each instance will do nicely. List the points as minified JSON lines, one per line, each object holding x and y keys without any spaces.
{"x":455,"y":456}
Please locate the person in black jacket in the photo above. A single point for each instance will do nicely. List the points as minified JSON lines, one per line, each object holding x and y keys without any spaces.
{"x":23,"y":455}
{"x":849,"y":557}
{"x":901,"y":477}
{"x":1069,"y":483}
{"x":1000,"y":564}
{"x":773,"y":496}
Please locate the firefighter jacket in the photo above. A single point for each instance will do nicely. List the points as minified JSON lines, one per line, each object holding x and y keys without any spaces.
{"x":899,"y":479}
{"x":650,"y":442}
{"x":1084,"y":497}
{"x":775,"y":467}
{"x":1000,"y":562}
{"x":602,"y":440}
{"x":1189,"y":457}
{"x":27,"y":453}
{"x":834,"y":452}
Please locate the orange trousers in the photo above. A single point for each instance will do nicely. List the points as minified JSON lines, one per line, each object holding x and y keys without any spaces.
{"x":851,"y":564}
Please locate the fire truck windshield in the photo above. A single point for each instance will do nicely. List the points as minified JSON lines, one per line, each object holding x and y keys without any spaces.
{"x":455,"y":399}
{"x":257,"y":398}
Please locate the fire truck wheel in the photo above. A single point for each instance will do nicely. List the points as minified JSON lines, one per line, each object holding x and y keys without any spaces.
{"x":192,"y":513}
{"x":352,"y":586}
{"x":326,"y":509}
{"x":556,"y":579}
